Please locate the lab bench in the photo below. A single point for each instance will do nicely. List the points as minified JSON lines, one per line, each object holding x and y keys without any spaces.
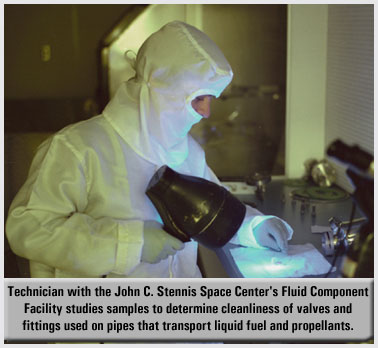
{"x":300,"y":214}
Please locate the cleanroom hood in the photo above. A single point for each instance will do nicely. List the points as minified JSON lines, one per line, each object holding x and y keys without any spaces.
{"x":152,"y":111}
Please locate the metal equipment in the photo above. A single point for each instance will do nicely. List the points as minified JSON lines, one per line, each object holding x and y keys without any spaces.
{"x":359,"y":260}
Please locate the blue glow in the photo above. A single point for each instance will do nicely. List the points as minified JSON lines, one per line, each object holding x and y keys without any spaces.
{"x":300,"y":260}
{"x":274,"y":267}
{"x":178,"y":158}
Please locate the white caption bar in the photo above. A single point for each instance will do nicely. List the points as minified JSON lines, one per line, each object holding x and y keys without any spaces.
{"x":189,"y":309}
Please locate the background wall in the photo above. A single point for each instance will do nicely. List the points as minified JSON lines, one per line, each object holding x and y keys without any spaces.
{"x":306,"y":85}
{"x":350,"y":79}
{"x":72,"y":32}
{"x":330,"y":82}
{"x":246,"y":133}
{"x":51,"y":63}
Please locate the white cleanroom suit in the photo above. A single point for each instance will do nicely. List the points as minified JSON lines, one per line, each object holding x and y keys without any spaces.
{"x":82,"y":210}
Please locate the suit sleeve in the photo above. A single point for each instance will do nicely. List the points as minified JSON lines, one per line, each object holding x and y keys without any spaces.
{"x":47,"y":222}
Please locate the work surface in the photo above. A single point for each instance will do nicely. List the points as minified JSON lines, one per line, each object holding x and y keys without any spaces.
{"x":301,"y":215}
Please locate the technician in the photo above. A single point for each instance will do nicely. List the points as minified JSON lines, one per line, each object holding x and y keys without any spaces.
{"x":83,"y":211}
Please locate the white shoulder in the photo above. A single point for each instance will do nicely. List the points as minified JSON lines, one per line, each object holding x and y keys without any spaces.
{"x":195,"y":148}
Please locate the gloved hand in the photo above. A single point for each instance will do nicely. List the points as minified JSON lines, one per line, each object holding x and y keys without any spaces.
{"x":158,"y":244}
{"x":273,"y":233}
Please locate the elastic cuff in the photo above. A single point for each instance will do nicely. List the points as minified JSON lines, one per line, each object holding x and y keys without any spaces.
{"x":129,"y":248}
